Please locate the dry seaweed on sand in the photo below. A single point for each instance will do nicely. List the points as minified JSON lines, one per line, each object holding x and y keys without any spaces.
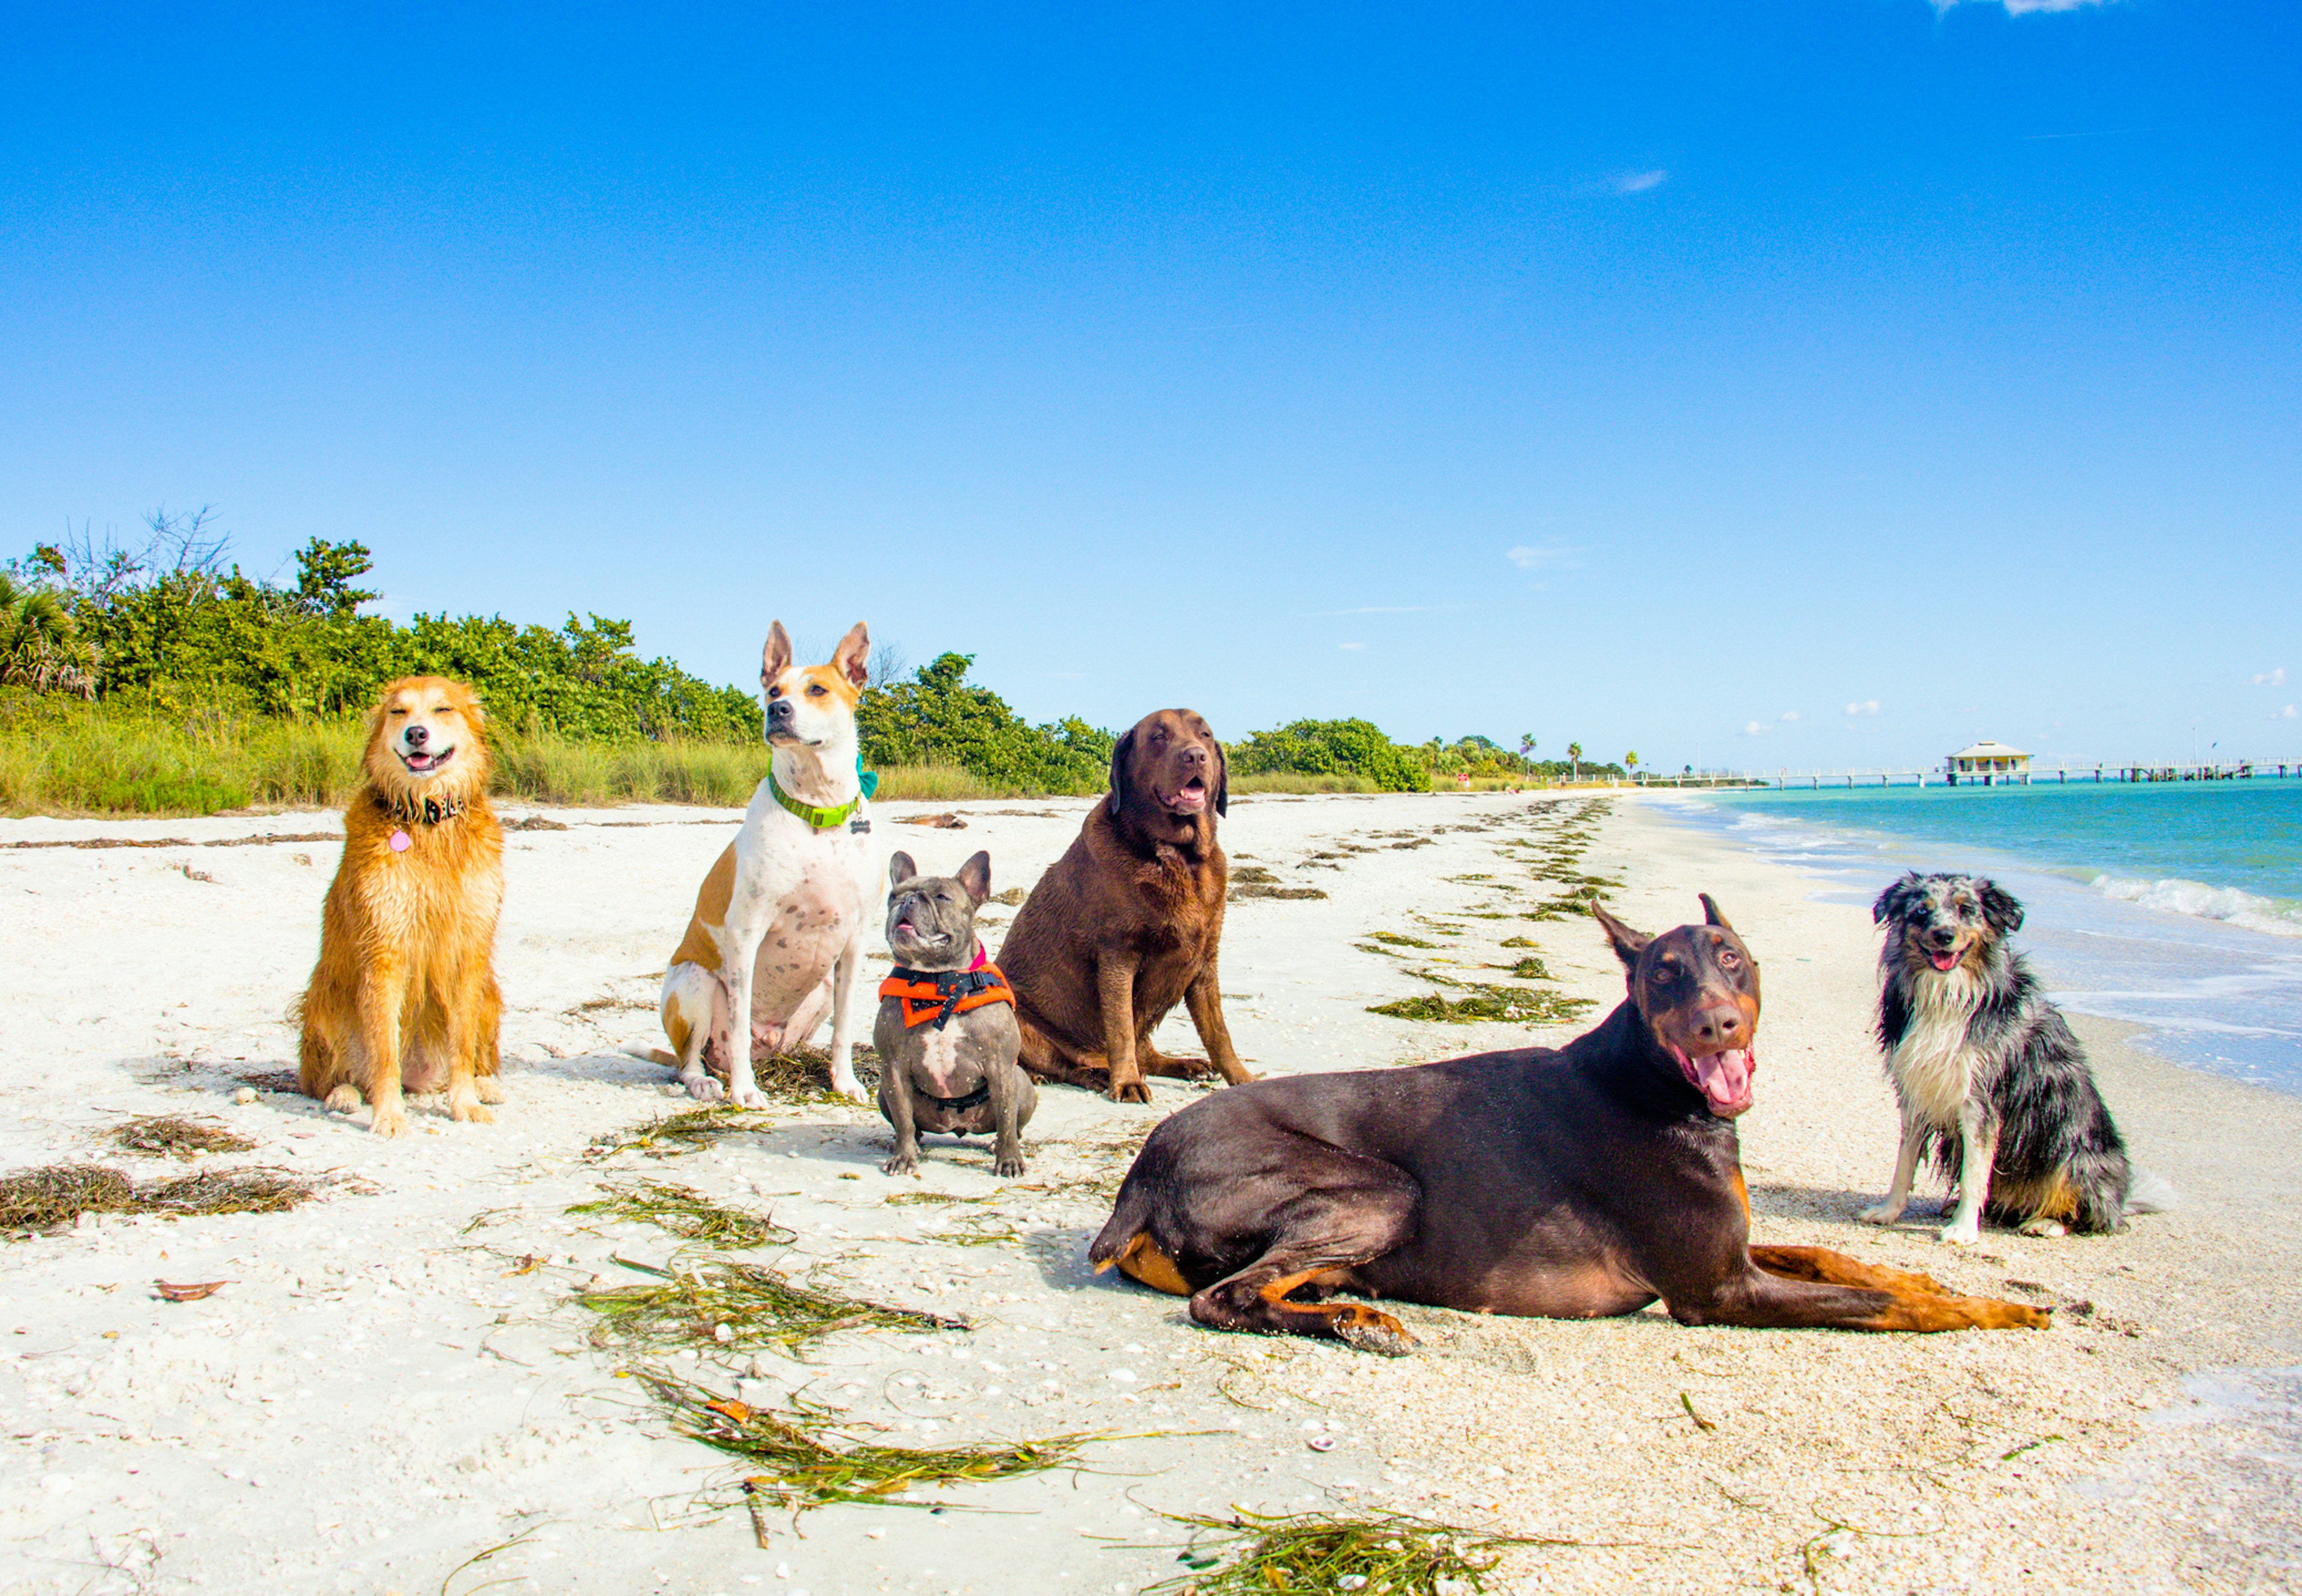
{"x":792,"y":1449}
{"x":668,"y":1136}
{"x":174,"y":1136}
{"x":1254,"y":1554}
{"x":729,"y":1304}
{"x":687,"y":1213}
{"x":1530,"y":968}
{"x":1257,"y":889}
{"x":55,"y":1197}
{"x":1479,"y":1001}
{"x":979,"y":1229}
{"x":905,"y":1199}
{"x":1398,"y":939}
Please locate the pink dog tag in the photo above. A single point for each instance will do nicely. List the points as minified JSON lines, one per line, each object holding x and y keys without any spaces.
{"x":401,"y":842}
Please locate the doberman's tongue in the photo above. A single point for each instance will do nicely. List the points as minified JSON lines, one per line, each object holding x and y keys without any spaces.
{"x":1724,"y":1079}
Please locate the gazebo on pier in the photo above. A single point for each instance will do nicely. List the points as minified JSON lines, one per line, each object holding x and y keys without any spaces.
{"x":1986,"y":762}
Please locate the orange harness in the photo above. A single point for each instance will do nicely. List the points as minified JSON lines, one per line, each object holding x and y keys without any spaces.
{"x":935,"y":995}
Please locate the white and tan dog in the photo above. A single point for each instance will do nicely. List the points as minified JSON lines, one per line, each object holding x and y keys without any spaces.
{"x":778,"y":931}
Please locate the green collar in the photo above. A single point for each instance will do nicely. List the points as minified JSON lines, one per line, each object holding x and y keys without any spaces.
{"x":820,"y":818}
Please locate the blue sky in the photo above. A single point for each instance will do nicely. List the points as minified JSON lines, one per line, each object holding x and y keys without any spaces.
{"x":1684,"y":377}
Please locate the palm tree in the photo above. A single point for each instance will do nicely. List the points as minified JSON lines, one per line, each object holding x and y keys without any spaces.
{"x":1631,"y":761}
{"x":1575,"y":759}
{"x":36,"y":641}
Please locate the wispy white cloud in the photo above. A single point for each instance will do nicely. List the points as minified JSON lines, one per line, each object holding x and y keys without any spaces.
{"x":2015,"y":8}
{"x":1868,"y":705}
{"x":2285,"y":714}
{"x":1638,"y":182}
{"x":1751,"y":729}
{"x":1350,"y":648}
{"x":2272,"y":679}
{"x":1792,"y":715}
{"x":1541,"y":557}
{"x":1389,"y":610}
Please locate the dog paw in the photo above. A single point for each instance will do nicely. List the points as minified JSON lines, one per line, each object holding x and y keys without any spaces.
{"x":1881,"y":1213}
{"x":703,"y":1088}
{"x":342,"y":1100}
{"x":1130,"y":1091}
{"x":390,"y":1122}
{"x":901,"y":1164}
{"x":471,"y":1114}
{"x":488,"y":1090}
{"x":849,"y":1088}
{"x":748,"y":1098}
{"x":1960,"y":1235}
{"x":1009,"y":1168}
{"x":2044,"y":1227}
{"x":1379,"y":1332}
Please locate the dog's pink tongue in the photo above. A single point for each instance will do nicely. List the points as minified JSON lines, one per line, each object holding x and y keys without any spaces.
{"x":1724,"y":1079}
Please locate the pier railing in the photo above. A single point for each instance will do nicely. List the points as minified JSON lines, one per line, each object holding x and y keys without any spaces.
{"x":2061,"y":774}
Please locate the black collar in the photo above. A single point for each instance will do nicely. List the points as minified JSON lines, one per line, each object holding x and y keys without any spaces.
{"x":974,"y":1099}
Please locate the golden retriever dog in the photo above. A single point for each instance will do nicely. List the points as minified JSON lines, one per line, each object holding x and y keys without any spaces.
{"x":404,"y":998}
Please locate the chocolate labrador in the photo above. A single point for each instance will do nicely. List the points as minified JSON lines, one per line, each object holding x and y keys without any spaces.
{"x":1126,"y":923}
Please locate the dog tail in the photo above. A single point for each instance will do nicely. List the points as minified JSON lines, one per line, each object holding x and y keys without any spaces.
{"x":2146,"y":1193}
{"x":652,"y":1055}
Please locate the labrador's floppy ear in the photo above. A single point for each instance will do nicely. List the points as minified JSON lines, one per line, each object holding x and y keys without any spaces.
{"x":776,"y":657}
{"x":1122,"y":756}
{"x":1710,"y":915}
{"x":1628,"y":944}
{"x":975,"y":876}
{"x":852,"y":657}
{"x":900,"y":869}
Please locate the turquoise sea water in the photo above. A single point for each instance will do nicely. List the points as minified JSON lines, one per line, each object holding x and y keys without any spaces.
{"x":2176,"y":905}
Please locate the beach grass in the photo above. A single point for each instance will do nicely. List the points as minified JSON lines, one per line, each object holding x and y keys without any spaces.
{"x":65,"y":756}
{"x":687,"y":1213}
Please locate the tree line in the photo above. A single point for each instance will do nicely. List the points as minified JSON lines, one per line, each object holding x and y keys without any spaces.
{"x":172,"y":623}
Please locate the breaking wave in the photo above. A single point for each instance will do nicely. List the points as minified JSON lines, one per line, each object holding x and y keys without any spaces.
{"x":2280,"y":917}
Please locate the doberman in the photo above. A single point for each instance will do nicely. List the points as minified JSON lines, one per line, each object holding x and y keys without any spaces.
{"x":1570,"y":1183}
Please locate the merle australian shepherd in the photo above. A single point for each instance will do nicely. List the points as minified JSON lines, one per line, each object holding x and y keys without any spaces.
{"x":1988,"y":1075}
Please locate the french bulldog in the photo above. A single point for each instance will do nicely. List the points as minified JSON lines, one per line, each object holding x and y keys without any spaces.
{"x":946,"y":1031}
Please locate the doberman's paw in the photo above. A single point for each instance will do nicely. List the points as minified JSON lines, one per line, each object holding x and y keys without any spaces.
{"x":702,"y":1088}
{"x":1882,"y":1213}
{"x":1377,"y":1333}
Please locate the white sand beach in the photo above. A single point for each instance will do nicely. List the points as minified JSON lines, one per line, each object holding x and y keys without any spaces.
{"x":393,"y":1380}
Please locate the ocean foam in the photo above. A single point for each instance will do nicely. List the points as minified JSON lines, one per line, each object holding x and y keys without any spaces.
{"x":2278,"y":917}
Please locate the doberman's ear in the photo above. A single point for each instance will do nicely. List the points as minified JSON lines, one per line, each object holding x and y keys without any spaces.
{"x":900,"y":869}
{"x":1122,"y":756}
{"x":1898,"y":899}
{"x":776,"y":657}
{"x":853,"y":658}
{"x":1223,"y":779}
{"x":1628,"y":944}
{"x":2000,"y":911}
{"x":975,"y":876}
{"x":1710,"y":915}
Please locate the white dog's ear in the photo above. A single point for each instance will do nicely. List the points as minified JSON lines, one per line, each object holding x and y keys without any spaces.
{"x":852,"y":657}
{"x":776,"y":657}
